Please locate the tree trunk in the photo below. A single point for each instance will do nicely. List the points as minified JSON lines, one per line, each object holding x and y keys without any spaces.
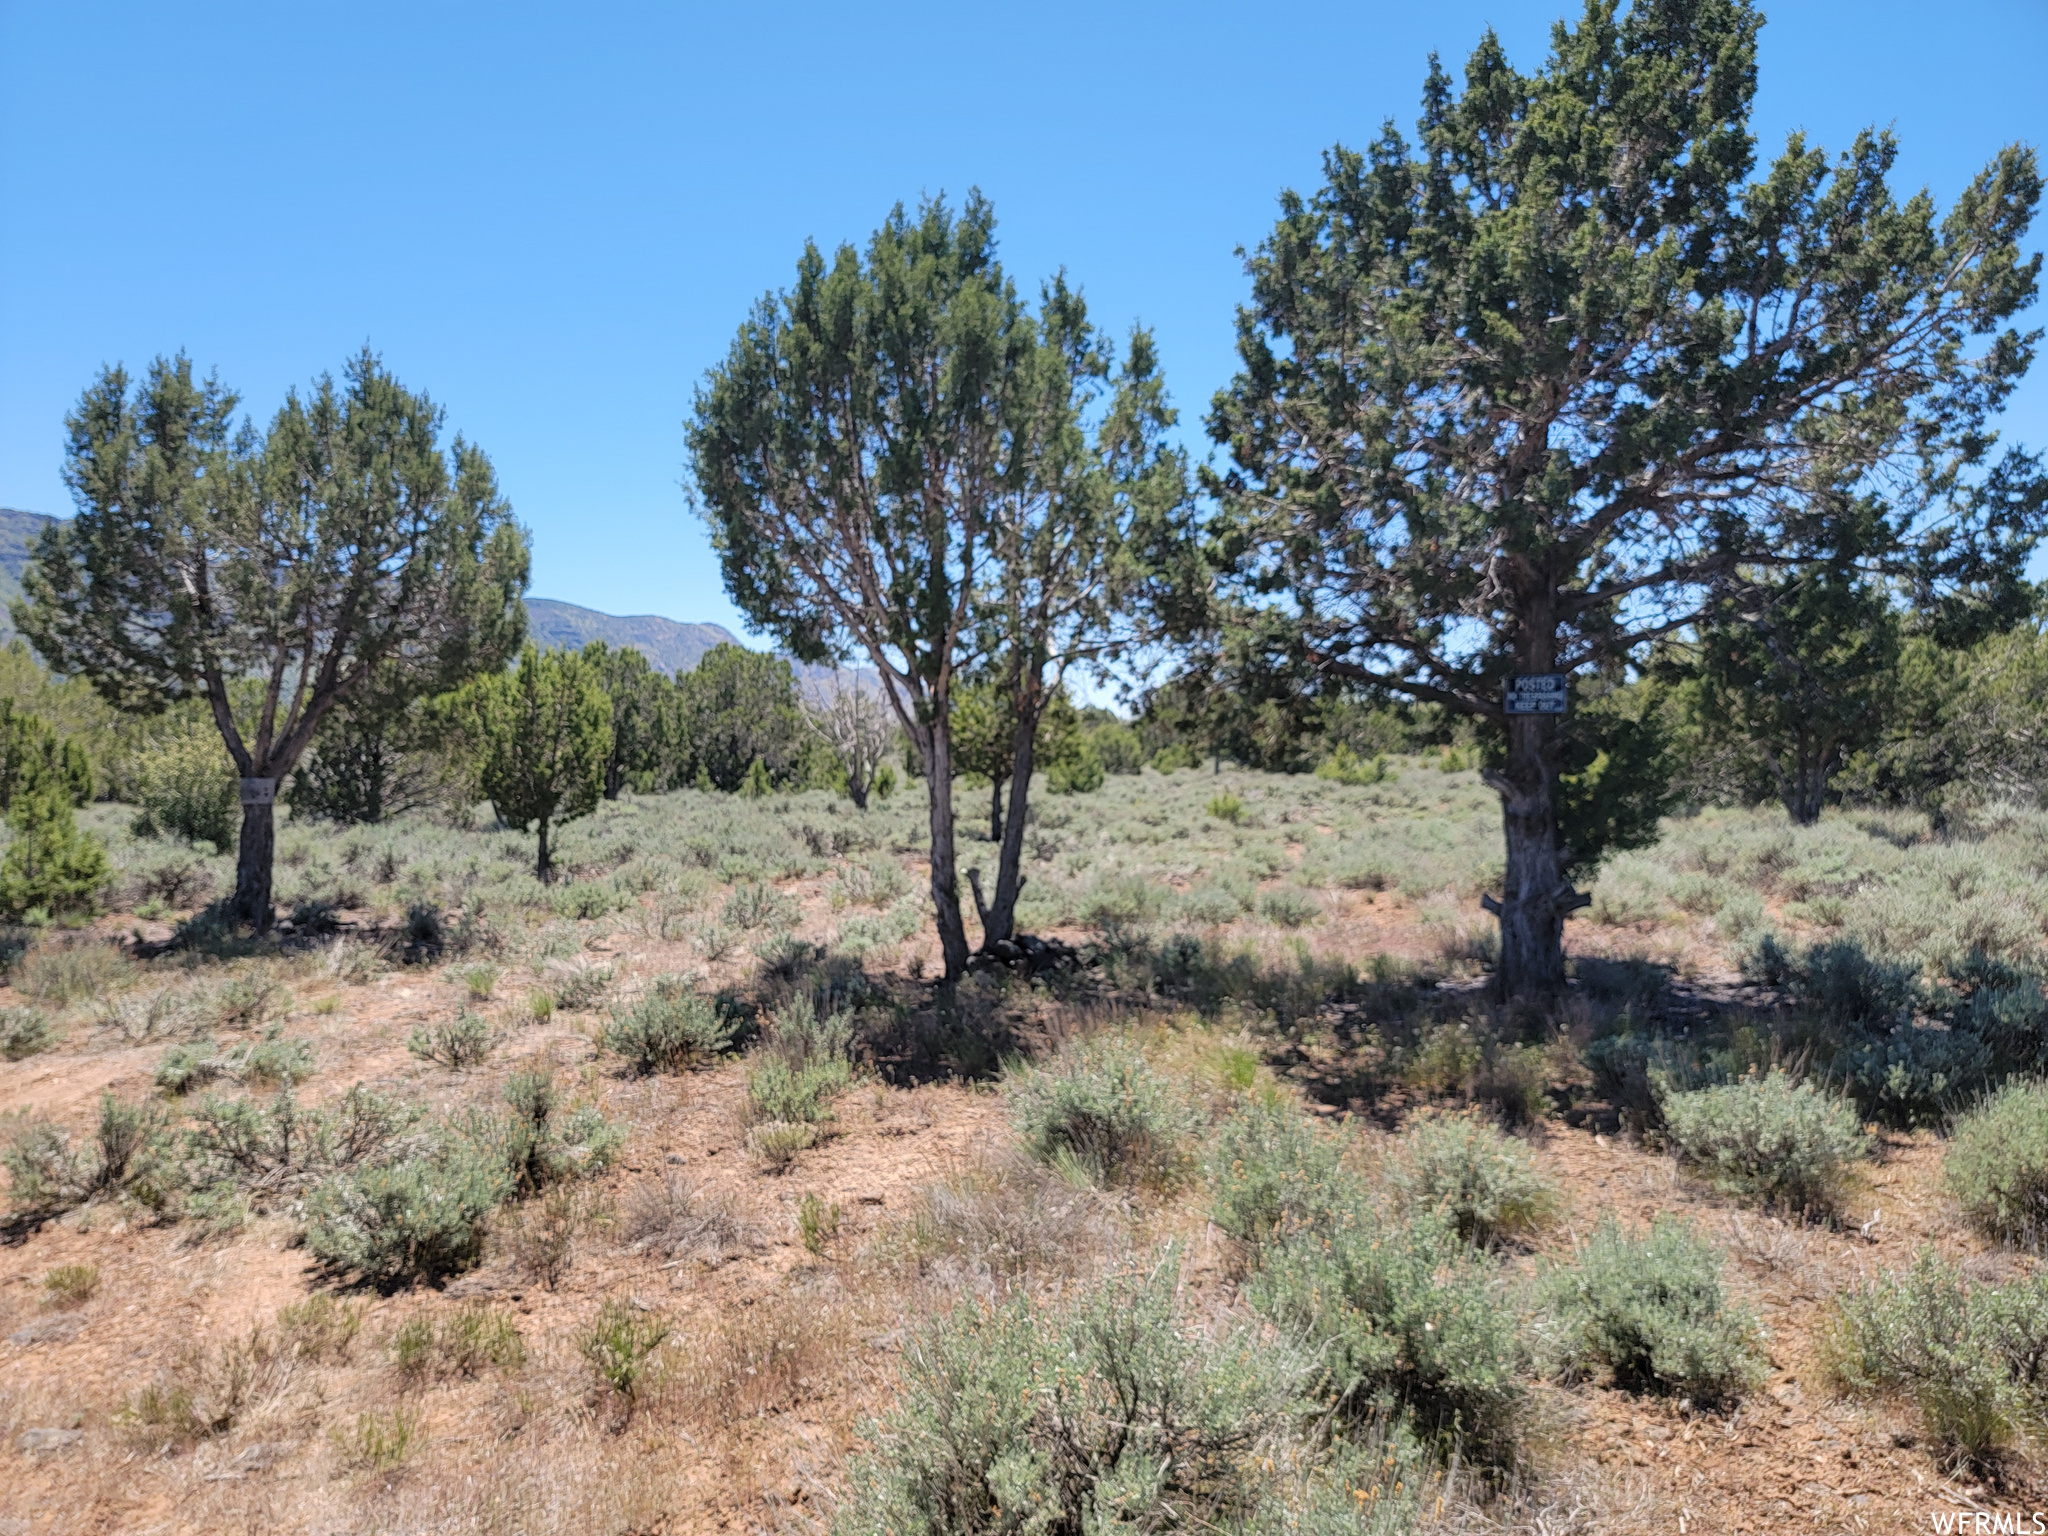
{"x":253,"y":858}
{"x":1535,"y":895}
{"x":856,"y":790}
{"x":542,"y":866}
{"x":945,"y":874}
{"x":1001,"y":922}
{"x":995,"y":810}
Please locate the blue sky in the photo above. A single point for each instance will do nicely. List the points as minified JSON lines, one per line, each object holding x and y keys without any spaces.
{"x":553,"y":217}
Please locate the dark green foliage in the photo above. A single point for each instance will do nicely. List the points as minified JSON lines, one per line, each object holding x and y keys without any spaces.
{"x":1781,"y":1143}
{"x":1405,"y":1318}
{"x":1974,"y":1358}
{"x":642,"y":712}
{"x":1651,"y":1309}
{"x":51,"y":867}
{"x":1494,"y":384}
{"x":1098,"y":1109}
{"x":538,"y":737}
{"x":32,"y":757}
{"x":343,"y":555}
{"x":1997,"y":1165}
{"x":671,"y":1027}
{"x":1484,"y":1184}
{"x":1105,"y":1411}
{"x":734,"y":709}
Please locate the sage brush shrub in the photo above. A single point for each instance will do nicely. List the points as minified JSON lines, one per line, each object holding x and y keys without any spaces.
{"x":1973,"y":1359}
{"x":25,"y":1032}
{"x":1103,"y":1411}
{"x":780,"y":1093}
{"x":1483,"y":1183}
{"x":1268,"y":1167}
{"x":1406,"y":1320}
{"x":1099,"y":1109}
{"x":1784,"y":1144}
{"x":415,"y":1220}
{"x":131,"y":1156}
{"x":1651,"y":1309}
{"x":671,"y":1028}
{"x":462,"y":1042}
{"x":543,"y":1141}
{"x":1997,"y":1166}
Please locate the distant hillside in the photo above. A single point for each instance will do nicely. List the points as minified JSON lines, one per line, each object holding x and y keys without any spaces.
{"x":18,"y":534}
{"x":669,"y":646}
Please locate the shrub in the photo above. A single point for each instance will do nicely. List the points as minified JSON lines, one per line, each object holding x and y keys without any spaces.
{"x":131,"y":1156}
{"x":545,"y":1142}
{"x":584,"y":899}
{"x":1651,"y":1310}
{"x":417,"y":1219}
{"x":672,"y":1027}
{"x":188,"y":1066}
{"x":1971,"y":1358}
{"x":71,"y":1285}
{"x":756,"y":904}
{"x":1997,"y":1166}
{"x":185,"y":787}
{"x":1785,"y":1144}
{"x":70,"y":973}
{"x":475,"y":1338}
{"x":320,"y":1328}
{"x":1226,"y":807}
{"x":578,"y":986}
{"x":542,"y":1236}
{"x":1915,"y":1076}
{"x":1079,"y":773}
{"x":620,"y":1345}
{"x":1406,"y":1319}
{"x":816,"y":1223}
{"x":51,"y":867}
{"x":462,"y":1042}
{"x":1289,"y":908}
{"x":1513,"y":1081}
{"x":1106,"y":1411}
{"x":198,"y":1062}
{"x":276,"y":1151}
{"x":1100,"y":1112}
{"x":1267,"y":1168}
{"x":24,"y":1032}
{"x":479,"y":981}
{"x":1483,"y":1183}
{"x":381,"y":1442}
{"x":1344,"y":766}
{"x":774,"y":1144}
{"x":776,"y":1091}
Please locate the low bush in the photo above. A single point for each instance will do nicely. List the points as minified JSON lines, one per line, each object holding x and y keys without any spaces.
{"x":1226,"y":807}
{"x":545,"y":1141}
{"x":1997,"y":1166}
{"x":70,"y":973}
{"x":320,"y":1328}
{"x":25,"y":1032}
{"x":1098,"y":1111}
{"x":757,"y":904}
{"x":272,"y":1153}
{"x":620,"y":1345}
{"x":1483,"y":1183}
{"x":272,"y":1060}
{"x":577,"y":986}
{"x":1406,"y":1319}
{"x":778,"y":1092}
{"x":71,"y":1285}
{"x":475,"y":1338}
{"x":1513,"y":1081}
{"x":204,"y":1393}
{"x":997,"y":1221}
{"x":774,"y":1144}
{"x":1289,"y":908}
{"x":541,"y":1235}
{"x":671,"y":1028}
{"x":479,"y":981}
{"x":131,"y":1156}
{"x":1268,"y":1167}
{"x":1973,"y":1359}
{"x":1651,"y":1309}
{"x":1105,"y":1411}
{"x":417,"y":1219}
{"x":1782,"y":1143}
{"x":381,"y":1442}
{"x":458,"y":1044}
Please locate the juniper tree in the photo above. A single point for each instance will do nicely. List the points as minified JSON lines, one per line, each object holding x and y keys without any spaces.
{"x":894,"y":458}
{"x":345,"y":546}
{"x":1522,"y":397}
{"x":639,"y":697}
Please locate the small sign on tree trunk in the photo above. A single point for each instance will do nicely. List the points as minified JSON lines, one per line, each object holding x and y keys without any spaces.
{"x":1536,"y":693}
{"x":259,"y":791}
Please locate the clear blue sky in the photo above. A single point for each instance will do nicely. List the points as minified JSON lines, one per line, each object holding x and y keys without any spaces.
{"x":553,"y":217}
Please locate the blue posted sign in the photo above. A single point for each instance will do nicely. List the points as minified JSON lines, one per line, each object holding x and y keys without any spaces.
{"x":1536,"y":693}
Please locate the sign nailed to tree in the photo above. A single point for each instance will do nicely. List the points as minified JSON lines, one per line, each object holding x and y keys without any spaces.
{"x":259,"y":791}
{"x":1536,"y":693}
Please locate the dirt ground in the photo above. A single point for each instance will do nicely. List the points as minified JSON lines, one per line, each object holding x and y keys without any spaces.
{"x":776,"y":1353}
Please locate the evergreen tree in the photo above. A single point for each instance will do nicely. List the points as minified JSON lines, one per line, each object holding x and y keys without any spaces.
{"x":640,"y":702}
{"x":1521,"y":399}
{"x":344,"y":552}
{"x":51,"y":867}
{"x":538,"y":737}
